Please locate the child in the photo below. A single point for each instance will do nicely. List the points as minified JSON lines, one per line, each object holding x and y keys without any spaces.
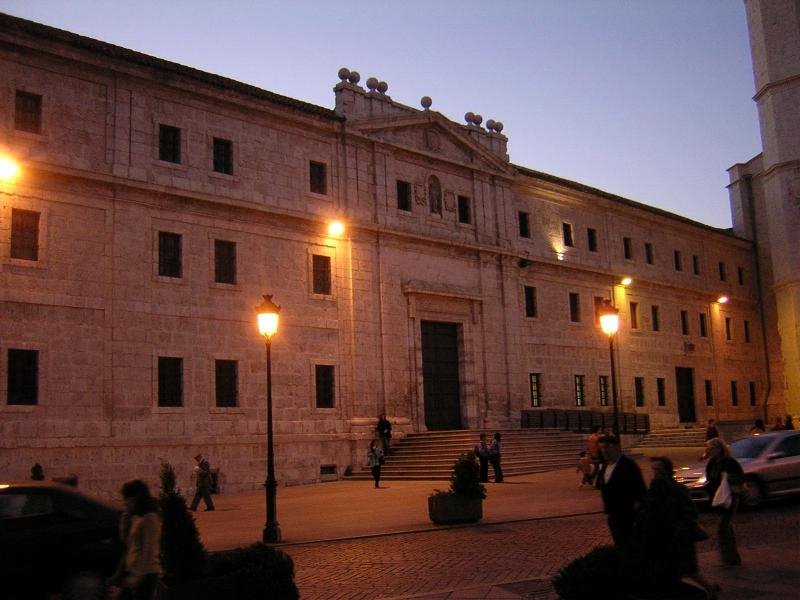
{"x":585,"y":467}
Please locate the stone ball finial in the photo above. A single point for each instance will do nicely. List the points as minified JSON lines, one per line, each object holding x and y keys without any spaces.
{"x":490,"y":124}
{"x":344,"y":73}
{"x":426,"y":102}
{"x":469,"y":117}
{"x":383,"y":87}
{"x":478,"y":119}
{"x":498,"y":126}
{"x":372,"y":83}
{"x":354,"y":77}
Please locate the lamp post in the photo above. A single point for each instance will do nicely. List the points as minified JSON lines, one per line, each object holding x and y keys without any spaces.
{"x":609,"y":323}
{"x":267,"y":313}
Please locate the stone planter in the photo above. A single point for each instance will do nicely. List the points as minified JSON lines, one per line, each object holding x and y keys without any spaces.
{"x":445,"y":509}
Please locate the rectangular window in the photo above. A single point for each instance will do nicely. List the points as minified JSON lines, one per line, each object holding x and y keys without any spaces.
{"x":223,"y":156}
{"x":24,"y":234}
{"x":740,"y":275}
{"x":747,"y":331}
{"x":603,"y":383}
{"x":591,"y":238}
{"x":318,"y":177}
{"x":169,"y":254}
{"x":695,"y":264}
{"x":728,"y":332}
{"x":661,"y":387}
{"x":685,"y":322}
{"x":752,"y":388}
{"x":654,"y":318}
{"x":169,"y":144}
{"x":531,"y":310}
{"x":574,"y":307}
{"x":224,"y":261}
{"x":566,"y":234}
{"x":324,"y":386}
{"x":627,"y":247}
{"x":648,"y":253}
{"x":28,"y":112}
{"x":524,"y":224}
{"x":734,"y":394}
{"x":580,"y":396}
{"x":634,"y":315}
{"x":170,"y":381}
{"x":322,"y":274}
{"x":403,"y":195}
{"x":536,"y":389}
{"x":464,"y":210}
{"x":638,"y":385}
{"x":226,"y":378}
{"x":678,"y":260}
{"x":722,"y":274}
{"x":703,"y":325}
{"x":23,"y":377}
{"x":709,"y":393}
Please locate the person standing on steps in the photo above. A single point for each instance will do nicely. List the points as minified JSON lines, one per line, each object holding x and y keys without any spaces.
{"x":203,"y":472}
{"x":494,"y":458}
{"x":482,"y":454}
{"x":384,"y":429}
{"x":375,"y":459}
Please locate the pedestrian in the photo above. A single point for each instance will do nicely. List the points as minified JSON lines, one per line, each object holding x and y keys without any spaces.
{"x":789,"y":422}
{"x":622,"y":488}
{"x":723,"y":471}
{"x":482,"y":454}
{"x":37,"y":472}
{"x":778,"y":426}
{"x":203,"y":484}
{"x":375,"y":459}
{"x":585,"y":468}
{"x":757,"y":428}
{"x":139,"y":569}
{"x":384,"y":429}
{"x":593,"y":450}
{"x":711,"y":431}
{"x":494,"y":458}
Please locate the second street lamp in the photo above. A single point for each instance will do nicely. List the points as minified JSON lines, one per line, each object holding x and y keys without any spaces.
{"x":267,"y":313}
{"x":609,"y":323}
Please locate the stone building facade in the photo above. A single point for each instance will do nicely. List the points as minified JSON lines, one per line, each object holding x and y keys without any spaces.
{"x":157,"y":203}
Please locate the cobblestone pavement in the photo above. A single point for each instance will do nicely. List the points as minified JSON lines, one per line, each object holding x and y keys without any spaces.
{"x":517,"y":559}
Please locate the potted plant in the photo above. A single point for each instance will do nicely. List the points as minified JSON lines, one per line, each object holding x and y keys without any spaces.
{"x":463,"y":502}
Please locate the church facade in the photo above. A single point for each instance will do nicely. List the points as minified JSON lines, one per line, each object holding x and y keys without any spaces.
{"x":156,"y":204}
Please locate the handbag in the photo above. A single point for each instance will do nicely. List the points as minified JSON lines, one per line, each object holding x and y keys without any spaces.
{"x":724,"y":495}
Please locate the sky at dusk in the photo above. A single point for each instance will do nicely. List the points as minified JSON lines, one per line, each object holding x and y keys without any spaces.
{"x":647,"y":99}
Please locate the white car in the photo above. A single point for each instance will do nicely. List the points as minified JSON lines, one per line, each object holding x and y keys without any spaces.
{"x":771,"y":464}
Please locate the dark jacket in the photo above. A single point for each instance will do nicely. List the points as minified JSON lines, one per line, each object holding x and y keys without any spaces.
{"x":624,"y":490}
{"x":714,"y":470}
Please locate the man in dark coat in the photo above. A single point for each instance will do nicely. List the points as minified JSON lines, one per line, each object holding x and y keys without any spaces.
{"x":622,"y":487}
{"x":203,"y":471}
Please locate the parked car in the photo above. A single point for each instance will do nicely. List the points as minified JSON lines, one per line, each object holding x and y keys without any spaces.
{"x":55,"y":539}
{"x":771,"y":464}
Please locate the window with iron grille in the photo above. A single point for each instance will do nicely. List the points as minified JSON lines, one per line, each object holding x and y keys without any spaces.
{"x":734,"y":394}
{"x":648,"y":253}
{"x":24,"y":234}
{"x":524,"y":224}
{"x":676,"y":255}
{"x":566,"y":234}
{"x":536,"y":389}
{"x":752,"y":387}
{"x":169,"y":254}
{"x":747,"y":331}
{"x":634,"y":308}
{"x":709,"y":393}
{"x":685,"y":322}
{"x":703,"y":325}
{"x":638,"y":385}
{"x":603,"y":383}
{"x":591,"y":238}
{"x":654,"y":317}
{"x":28,"y":112}
{"x":169,"y":144}
{"x":318,"y":177}
{"x":627,"y":247}
{"x":722,"y":274}
{"x":321,"y":266}
{"x":23,"y":377}
{"x":223,"y":156}
{"x":574,"y":307}
{"x":324,"y":386}
{"x":661,"y":388}
{"x":170,"y":381}
{"x":404,"y":196}
{"x":464,"y":210}
{"x":580,"y":392}
{"x":695,"y":264}
{"x":226,"y":379}
{"x":531,"y":310}
{"x":224,"y":261}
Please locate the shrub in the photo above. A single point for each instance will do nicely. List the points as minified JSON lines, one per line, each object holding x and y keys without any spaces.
{"x":255,"y":573}
{"x":465,"y":480}
{"x":182,"y":553}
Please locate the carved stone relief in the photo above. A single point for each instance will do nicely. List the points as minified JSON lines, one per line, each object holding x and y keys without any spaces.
{"x":419,"y":194}
{"x":432,"y":140}
{"x":450,"y":201}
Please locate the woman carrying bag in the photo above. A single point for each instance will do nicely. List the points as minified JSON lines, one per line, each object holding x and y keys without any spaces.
{"x":724,"y":477}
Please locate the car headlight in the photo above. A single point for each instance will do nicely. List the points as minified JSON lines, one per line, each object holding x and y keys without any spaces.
{"x":702,"y":480}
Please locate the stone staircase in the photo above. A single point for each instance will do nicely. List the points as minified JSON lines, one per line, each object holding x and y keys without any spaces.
{"x":673,"y":437}
{"x":430,"y":456}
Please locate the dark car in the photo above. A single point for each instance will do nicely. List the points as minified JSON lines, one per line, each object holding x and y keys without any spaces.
{"x":771,"y":464}
{"x":54,"y":538}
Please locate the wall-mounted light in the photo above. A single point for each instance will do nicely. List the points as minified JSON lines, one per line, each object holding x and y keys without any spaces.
{"x":9,"y":168}
{"x":722,"y":299}
{"x":626,"y":281}
{"x":335,"y":228}
{"x":560,"y":255}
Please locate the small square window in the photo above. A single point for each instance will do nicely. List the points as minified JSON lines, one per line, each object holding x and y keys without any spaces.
{"x":169,"y":144}
{"x":591,"y":238}
{"x":23,"y":377}
{"x":678,"y":260}
{"x":734,"y":394}
{"x":654,"y":317}
{"x":722,"y":274}
{"x":324,"y":386}
{"x":661,"y":388}
{"x":634,"y":308}
{"x":464,"y":210}
{"x":170,"y":381}
{"x":580,"y":392}
{"x":685,"y":322}
{"x":574,"y":307}
{"x":531,"y":310}
{"x":24,"y":234}
{"x":404,"y":196}
{"x":695,"y":264}
{"x":28,"y":112}
{"x":627,"y":248}
{"x":225,"y":380}
{"x":709,"y":393}
{"x":318,"y":177}
{"x":524,"y":224}
{"x":638,"y":385}
{"x":603,"y":386}
{"x":321,"y":266}
{"x":566,"y":234}
{"x":536,"y":389}
{"x":223,"y":156}
{"x":169,"y":254}
{"x":224,"y":262}
{"x":648,"y":253}
{"x":703,"y":325}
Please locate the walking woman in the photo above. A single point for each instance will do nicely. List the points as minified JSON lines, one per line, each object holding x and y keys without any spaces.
{"x":375,"y":458}
{"x":494,"y":458}
{"x":140,"y":529}
{"x":723,"y":470}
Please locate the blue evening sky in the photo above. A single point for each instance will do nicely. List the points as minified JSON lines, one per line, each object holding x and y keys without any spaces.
{"x":651,"y":100}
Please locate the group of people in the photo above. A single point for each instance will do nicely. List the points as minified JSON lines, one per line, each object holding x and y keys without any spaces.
{"x":489,"y":454}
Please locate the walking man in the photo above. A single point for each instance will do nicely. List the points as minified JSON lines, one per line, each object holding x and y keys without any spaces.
{"x":203,"y":470}
{"x":622,"y":487}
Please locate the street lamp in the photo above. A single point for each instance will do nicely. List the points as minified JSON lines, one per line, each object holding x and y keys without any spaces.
{"x":267,"y":313}
{"x":9,"y":169}
{"x":609,"y":323}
